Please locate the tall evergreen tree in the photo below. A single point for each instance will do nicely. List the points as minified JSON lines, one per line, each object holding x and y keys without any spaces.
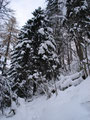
{"x":34,"y":58}
{"x":78,"y":22}
{"x":56,"y":12}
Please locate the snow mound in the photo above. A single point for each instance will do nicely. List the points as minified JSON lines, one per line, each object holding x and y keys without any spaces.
{"x":71,"y":104}
{"x":71,"y":80}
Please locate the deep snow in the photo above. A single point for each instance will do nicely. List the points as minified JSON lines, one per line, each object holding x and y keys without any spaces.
{"x":71,"y":104}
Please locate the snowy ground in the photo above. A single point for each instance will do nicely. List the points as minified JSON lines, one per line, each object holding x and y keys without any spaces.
{"x":71,"y":104}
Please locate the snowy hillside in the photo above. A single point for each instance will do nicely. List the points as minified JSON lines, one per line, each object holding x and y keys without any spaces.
{"x":71,"y":104}
{"x":45,"y":64}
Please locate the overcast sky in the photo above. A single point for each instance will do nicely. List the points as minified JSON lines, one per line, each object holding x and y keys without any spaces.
{"x":24,"y":9}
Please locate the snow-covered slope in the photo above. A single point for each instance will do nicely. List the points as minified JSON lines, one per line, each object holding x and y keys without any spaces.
{"x":71,"y":104}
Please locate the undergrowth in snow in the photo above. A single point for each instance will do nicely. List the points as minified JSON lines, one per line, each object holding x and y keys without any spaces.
{"x":71,"y":104}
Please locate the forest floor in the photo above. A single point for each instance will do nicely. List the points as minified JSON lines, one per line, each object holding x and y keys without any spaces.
{"x":71,"y":104}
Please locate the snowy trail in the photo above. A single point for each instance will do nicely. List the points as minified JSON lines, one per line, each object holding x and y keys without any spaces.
{"x":71,"y":104}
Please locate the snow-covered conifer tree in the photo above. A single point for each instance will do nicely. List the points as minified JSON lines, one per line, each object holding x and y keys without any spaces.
{"x":78,"y":22}
{"x":56,"y":11}
{"x":34,"y":59}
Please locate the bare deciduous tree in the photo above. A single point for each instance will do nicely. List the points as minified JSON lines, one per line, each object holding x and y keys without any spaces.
{"x":9,"y":38}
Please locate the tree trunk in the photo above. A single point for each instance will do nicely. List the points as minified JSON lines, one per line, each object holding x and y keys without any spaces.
{"x":34,"y":87}
{"x":81,"y":55}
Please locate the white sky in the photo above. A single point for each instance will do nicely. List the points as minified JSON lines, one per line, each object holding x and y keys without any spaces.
{"x":24,"y":9}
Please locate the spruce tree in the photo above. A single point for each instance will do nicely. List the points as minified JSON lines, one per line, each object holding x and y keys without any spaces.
{"x":78,"y":22}
{"x":56,"y":13}
{"x":34,"y":59}
{"x":78,"y":15}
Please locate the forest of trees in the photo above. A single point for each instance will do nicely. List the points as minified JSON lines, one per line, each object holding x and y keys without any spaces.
{"x":46,"y":46}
